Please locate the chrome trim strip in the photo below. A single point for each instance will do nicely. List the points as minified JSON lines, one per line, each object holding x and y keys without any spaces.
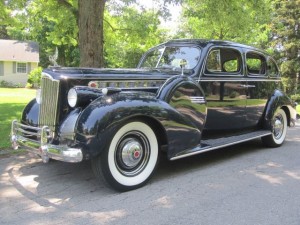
{"x":199,"y":149}
{"x":127,"y":84}
{"x":197,"y":99}
{"x":238,"y":80}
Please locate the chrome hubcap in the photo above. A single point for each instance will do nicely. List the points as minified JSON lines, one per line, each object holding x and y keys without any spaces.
{"x":278,"y":126}
{"x":132,"y":153}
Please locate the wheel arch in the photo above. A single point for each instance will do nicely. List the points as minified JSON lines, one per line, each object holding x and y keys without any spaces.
{"x":279,"y":101}
{"x":287,"y":113}
{"x":156,"y":126}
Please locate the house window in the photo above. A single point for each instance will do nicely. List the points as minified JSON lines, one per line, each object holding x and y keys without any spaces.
{"x":21,"y":67}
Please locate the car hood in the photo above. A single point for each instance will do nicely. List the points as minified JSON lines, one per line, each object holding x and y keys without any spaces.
{"x":104,"y":73}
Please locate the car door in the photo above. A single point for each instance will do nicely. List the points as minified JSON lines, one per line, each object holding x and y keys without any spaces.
{"x":261,"y":81}
{"x":225,"y":90}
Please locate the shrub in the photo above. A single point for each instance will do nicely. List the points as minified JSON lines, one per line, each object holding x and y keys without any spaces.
{"x":296,"y":98}
{"x":34,"y":78}
{"x":7,"y":84}
{"x":234,"y":94}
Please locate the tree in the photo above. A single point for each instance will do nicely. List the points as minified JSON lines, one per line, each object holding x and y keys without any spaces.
{"x":5,"y":20}
{"x":53,"y":17}
{"x":51,"y":26}
{"x":90,"y":23}
{"x":237,"y":20}
{"x":90,"y":17}
{"x":285,"y":28}
{"x":76,"y":27}
{"x":129,"y":34}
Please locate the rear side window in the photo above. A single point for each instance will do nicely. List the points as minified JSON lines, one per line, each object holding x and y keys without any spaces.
{"x":256,"y":64}
{"x":223,"y":61}
{"x":272,"y":69}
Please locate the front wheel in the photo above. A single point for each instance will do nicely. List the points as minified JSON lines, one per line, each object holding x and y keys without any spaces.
{"x":279,"y":129}
{"x":130,"y":159}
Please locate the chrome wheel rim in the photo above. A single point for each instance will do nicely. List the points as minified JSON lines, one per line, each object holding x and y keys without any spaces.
{"x":132,"y":153}
{"x":278,"y":126}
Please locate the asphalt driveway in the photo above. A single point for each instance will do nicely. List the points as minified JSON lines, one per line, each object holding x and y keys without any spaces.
{"x":243,"y":184}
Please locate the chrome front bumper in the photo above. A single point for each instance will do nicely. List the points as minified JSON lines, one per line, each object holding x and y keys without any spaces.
{"x":20,"y":134}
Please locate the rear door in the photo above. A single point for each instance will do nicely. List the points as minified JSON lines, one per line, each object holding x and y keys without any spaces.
{"x":262,"y":79}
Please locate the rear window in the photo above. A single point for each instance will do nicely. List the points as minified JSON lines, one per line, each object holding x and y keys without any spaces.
{"x":256,"y":64}
{"x":272,"y":69}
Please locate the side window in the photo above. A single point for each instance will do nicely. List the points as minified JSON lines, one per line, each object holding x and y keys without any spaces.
{"x":256,"y":64}
{"x":152,"y":58}
{"x":272,"y":69}
{"x":213,"y":63}
{"x":223,"y":61}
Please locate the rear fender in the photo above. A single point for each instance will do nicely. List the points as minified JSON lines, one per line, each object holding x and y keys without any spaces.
{"x":278,"y":100}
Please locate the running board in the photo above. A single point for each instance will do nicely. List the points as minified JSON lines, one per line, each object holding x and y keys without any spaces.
{"x":212,"y":144}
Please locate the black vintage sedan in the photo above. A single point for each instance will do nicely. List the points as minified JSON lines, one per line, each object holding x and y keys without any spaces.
{"x":184,"y":98}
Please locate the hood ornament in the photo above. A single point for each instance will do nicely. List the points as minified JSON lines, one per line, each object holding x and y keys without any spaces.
{"x":183,"y":64}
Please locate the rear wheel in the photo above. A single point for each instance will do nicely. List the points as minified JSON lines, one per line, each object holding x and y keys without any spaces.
{"x":279,"y":129}
{"x":130,"y":159}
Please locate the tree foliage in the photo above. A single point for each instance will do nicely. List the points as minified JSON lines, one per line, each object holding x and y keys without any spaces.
{"x":285,"y":34}
{"x":237,"y":20}
{"x":129,"y":35}
{"x":129,"y":30}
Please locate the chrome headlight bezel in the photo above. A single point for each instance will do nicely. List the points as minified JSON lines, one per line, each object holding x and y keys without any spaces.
{"x":72,"y":97}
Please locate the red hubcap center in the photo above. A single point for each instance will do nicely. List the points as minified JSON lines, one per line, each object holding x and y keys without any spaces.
{"x":136,"y":154}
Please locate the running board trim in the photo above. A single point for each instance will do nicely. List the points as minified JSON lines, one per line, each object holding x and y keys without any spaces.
{"x":206,"y":146}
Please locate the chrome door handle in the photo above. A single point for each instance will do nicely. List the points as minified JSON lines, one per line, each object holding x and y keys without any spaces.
{"x":247,"y":86}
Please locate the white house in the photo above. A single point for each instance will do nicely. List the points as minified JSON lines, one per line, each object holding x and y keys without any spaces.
{"x":17,"y":59}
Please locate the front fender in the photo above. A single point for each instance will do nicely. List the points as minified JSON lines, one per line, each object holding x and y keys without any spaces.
{"x":30,"y":113}
{"x":98,"y":122}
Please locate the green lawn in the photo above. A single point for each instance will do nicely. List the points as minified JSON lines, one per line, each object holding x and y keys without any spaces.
{"x":298,"y":109}
{"x":12,"y":102}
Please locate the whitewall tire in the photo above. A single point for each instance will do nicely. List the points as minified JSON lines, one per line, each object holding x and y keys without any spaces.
{"x":130,"y":159}
{"x":279,"y":129}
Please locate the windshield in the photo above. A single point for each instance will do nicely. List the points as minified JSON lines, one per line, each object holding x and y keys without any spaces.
{"x":172,"y":57}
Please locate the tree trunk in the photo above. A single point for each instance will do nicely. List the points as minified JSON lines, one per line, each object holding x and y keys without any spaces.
{"x":90,"y":23}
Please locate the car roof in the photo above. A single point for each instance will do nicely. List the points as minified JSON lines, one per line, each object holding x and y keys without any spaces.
{"x":208,"y":42}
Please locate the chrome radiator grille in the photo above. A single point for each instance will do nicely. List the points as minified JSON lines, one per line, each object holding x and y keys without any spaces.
{"x":48,"y":114}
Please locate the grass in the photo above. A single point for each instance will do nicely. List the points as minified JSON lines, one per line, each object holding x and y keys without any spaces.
{"x":12,"y":103}
{"x":298,"y":109}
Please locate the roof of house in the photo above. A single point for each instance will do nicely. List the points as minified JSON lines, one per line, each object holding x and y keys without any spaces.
{"x":19,"y":51}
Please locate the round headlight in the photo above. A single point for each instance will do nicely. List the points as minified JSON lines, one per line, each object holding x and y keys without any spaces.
{"x":72,"y":97}
{"x":38,"y":96}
